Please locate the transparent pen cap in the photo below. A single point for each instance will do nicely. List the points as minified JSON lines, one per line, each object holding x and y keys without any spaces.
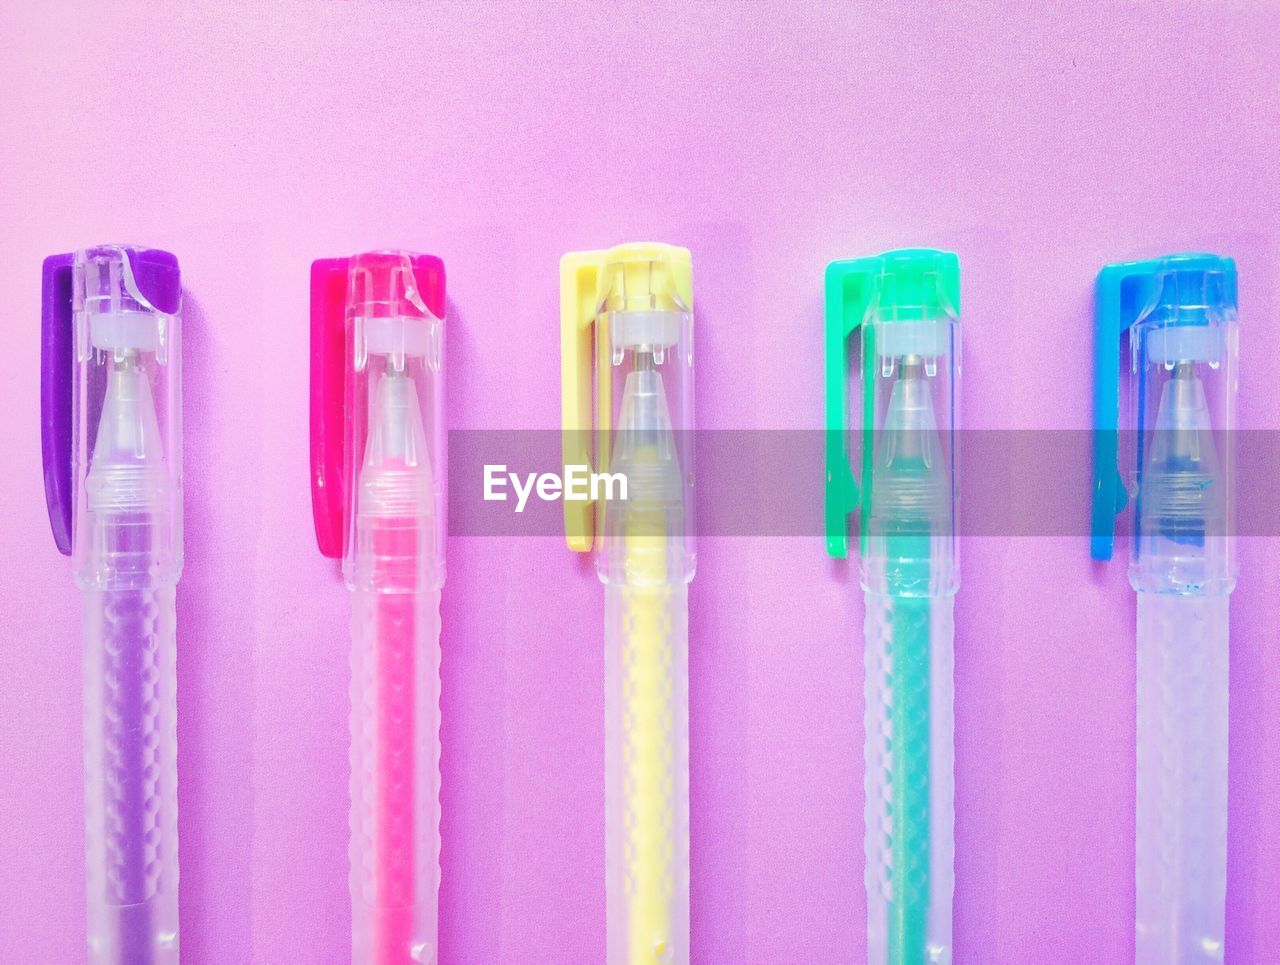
{"x":910,"y":361}
{"x":647,"y":330}
{"x":627,"y":394}
{"x":126,"y":417}
{"x":1182,"y":380}
{"x":394,"y":450}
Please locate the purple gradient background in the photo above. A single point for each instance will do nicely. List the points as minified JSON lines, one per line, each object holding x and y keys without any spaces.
{"x":769,"y":139}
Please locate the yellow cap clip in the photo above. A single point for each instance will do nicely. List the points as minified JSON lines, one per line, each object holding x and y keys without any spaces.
{"x":593,"y":286}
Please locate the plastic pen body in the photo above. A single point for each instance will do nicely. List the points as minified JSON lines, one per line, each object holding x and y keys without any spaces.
{"x":909,"y":751}
{"x":128,"y":557}
{"x":627,"y":327}
{"x":378,"y":447}
{"x":909,"y":586}
{"x":395,"y":747}
{"x":647,"y":763}
{"x":905,"y":307}
{"x":131,"y":764}
{"x":1182,"y":366}
{"x":646,"y":676}
{"x":1181,"y":828}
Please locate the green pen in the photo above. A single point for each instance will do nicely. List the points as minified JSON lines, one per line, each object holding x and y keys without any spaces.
{"x":906,"y":305}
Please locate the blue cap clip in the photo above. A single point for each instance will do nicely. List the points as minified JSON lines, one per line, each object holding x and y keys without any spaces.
{"x":1127,"y":293}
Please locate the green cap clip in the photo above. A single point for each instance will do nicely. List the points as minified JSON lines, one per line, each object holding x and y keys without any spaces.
{"x":876,"y":294}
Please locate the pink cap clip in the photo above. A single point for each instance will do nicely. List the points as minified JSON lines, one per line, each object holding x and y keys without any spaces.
{"x":336,"y":284}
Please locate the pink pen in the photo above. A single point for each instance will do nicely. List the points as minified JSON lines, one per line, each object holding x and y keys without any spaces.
{"x":377,"y":460}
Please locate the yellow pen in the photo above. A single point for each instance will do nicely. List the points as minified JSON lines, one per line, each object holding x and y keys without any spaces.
{"x":627,"y":331}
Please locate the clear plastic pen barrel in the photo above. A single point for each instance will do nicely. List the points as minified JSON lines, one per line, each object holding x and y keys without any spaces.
{"x":128,"y":556}
{"x":1183,"y":372}
{"x":646,"y":560}
{"x":910,"y":576}
{"x":394,"y":566}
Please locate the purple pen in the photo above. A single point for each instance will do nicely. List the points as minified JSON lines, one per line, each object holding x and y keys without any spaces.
{"x":112,"y":438}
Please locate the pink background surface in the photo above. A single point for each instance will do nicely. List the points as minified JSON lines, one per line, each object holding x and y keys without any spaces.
{"x":251,"y":139}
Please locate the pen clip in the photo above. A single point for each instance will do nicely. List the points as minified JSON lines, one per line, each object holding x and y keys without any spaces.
{"x":328,"y":402}
{"x":1124,"y":293}
{"x":56,"y":358}
{"x":332,"y":361}
{"x":850,"y":288}
{"x":579,"y":297}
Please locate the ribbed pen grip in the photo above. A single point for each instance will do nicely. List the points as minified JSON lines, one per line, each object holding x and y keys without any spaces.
{"x":131,"y":776}
{"x":395,"y":777}
{"x":647,"y":774}
{"x":909,"y":778}
{"x":1182,"y":778}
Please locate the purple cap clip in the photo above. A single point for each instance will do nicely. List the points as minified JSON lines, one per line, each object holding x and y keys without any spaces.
{"x":159,"y":281}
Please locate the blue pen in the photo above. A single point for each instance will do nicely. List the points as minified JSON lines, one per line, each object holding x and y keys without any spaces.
{"x":1180,"y":316}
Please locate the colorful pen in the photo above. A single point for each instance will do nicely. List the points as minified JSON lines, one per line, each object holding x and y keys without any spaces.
{"x":111,"y":417}
{"x":378,"y":496}
{"x":907,"y":305}
{"x":1180,"y":316}
{"x":627,"y":318}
